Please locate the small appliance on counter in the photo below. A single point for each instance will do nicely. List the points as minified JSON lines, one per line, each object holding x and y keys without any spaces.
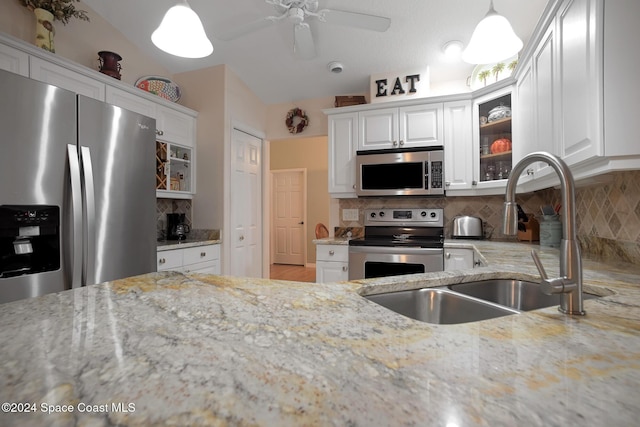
{"x":177,"y":228}
{"x":467,"y":227}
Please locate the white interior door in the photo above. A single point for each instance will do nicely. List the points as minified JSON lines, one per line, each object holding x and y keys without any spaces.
{"x":246,"y":205}
{"x":289,"y":216}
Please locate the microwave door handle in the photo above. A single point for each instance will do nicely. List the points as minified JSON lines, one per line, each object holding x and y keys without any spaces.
{"x":427,"y":175}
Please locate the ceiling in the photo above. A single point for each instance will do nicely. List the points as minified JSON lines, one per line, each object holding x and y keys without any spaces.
{"x":264,"y":59}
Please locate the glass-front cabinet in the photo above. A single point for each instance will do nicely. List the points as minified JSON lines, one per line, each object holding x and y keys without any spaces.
{"x":492,"y":133}
{"x":173,"y":170}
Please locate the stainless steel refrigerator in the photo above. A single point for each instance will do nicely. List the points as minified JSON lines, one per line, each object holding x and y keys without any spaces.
{"x":77,"y":190}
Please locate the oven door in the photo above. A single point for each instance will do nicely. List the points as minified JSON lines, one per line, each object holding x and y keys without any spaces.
{"x":380,"y":261}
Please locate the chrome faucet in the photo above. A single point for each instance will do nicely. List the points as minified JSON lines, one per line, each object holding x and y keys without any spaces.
{"x":569,"y":284}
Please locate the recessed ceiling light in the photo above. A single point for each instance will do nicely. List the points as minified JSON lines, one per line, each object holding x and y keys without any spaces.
{"x":335,"y":67}
{"x":452,"y":49}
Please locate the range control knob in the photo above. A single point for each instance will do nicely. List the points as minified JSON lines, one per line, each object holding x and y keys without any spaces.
{"x":433,"y":215}
{"x":423,"y":214}
{"x":372,"y":215}
{"x":381,"y":214}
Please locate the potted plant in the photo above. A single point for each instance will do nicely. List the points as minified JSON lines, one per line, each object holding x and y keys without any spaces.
{"x":47,"y":11}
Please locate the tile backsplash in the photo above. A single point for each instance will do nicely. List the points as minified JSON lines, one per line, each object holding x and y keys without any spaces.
{"x":608,"y":213}
{"x":165,"y":206}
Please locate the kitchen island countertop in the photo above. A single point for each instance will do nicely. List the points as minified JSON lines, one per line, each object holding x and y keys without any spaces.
{"x":188,"y":349}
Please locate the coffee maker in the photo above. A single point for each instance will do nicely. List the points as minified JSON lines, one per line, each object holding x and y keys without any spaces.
{"x":177,"y":228}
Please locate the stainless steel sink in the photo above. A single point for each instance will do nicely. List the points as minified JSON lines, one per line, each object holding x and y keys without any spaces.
{"x":438,"y":305}
{"x":517,"y":294}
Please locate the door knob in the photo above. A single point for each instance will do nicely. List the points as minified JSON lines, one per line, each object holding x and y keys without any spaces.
{"x":301,"y":222}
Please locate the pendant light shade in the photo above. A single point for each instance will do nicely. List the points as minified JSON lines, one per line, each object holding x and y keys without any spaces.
{"x":493,"y":40}
{"x":181,"y":33}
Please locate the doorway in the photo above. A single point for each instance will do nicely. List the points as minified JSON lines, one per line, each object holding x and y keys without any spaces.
{"x":246,"y":205}
{"x":289,"y":216}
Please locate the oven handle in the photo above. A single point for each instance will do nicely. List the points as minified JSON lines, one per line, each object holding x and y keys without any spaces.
{"x":395,"y":250}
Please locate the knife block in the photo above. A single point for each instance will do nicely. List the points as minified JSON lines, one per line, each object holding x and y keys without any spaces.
{"x":532,"y":233}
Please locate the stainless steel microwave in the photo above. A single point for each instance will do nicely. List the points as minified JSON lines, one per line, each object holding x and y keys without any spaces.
{"x":400,"y":172}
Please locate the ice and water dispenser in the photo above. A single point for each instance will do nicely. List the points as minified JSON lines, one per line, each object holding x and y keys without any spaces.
{"x":29,"y":239}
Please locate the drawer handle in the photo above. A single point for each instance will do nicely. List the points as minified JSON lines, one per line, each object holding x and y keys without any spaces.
{"x":162,"y":261}
{"x":331,"y":253}
{"x":203,"y":254}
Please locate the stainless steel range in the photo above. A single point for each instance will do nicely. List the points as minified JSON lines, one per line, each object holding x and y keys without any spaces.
{"x":398,"y":241}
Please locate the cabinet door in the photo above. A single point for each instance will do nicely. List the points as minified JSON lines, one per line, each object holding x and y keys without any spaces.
{"x":14,"y":60}
{"x":458,"y":259}
{"x":66,"y":79}
{"x":420,"y":125}
{"x":174,"y":126}
{"x":209,"y":267}
{"x":378,"y":129}
{"x":327,"y":272}
{"x":169,"y":260}
{"x":525,"y":121}
{"x":579,"y":85}
{"x":343,"y":138}
{"x":546,"y":121}
{"x":201,"y":254}
{"x":130,"y":102}
{"x":175,"y":175}
{"x":458,"y":158}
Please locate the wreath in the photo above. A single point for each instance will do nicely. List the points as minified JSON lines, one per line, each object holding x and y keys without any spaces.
{"x":291,"y":115}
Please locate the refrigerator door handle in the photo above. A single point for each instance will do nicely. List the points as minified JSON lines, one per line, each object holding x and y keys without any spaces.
{"x":76,"y":219}
{"x":89,"y":252}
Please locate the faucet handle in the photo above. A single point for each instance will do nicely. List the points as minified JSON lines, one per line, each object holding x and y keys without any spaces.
{"x":550,"y":286}
{"x":538,"y":263}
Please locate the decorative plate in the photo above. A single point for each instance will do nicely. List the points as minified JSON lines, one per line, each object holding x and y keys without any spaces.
{"x":160,"y":86}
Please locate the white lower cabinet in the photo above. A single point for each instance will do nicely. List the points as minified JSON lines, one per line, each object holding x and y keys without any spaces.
{"x":459,"y":259}
{"x":332,"y":263}
{"x":197,"y":259}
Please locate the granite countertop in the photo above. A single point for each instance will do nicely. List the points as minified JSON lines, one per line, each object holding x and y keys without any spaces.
{"x":167,"y":245}
{"x":174,"y":349}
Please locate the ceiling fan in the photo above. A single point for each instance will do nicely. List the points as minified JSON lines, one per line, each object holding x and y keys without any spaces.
{"x":297,"y":12}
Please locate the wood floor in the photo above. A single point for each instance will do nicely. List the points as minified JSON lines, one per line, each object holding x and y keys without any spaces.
{"x":298,"y":273}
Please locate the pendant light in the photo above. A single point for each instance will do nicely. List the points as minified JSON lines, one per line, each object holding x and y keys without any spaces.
{"x":493,"y":40}
{"x":181,"y":33}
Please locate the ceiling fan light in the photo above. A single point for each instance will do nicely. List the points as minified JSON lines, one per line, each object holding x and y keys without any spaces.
{"x":492,"y":40}
{"x":181,"y":33}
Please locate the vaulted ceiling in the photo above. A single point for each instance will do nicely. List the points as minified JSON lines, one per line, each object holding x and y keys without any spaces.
{"x":264,"y":59}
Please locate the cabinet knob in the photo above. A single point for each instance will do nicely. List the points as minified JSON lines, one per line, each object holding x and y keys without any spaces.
{"x":331,"y":253}
{"x":395,"y":143}
{"x":241,"y":238}
{"x":448,"y":255}
{"x":447,"y":183}
{"x":474,"y":182}
{"x":354,"y":186}
{"x":345,"y":268}
{"x":401,"y":142}
{"x":477,"y":263}
{"x":161,"y":261}
{"x":203,"y":254}
{"x":159,"y":132}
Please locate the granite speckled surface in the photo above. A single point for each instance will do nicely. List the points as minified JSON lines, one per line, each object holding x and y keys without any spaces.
{"x":215,"y":350}
{"x":167,"y":245}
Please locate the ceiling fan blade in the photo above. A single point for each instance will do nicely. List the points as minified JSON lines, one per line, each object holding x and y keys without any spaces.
{"x":303,"y":45}
{"x":353,"y":19}
{"x":241,"y":30}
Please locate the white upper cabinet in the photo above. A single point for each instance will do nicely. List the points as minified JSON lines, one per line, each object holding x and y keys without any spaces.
{"x":579,"y":41}
{"x":56,"y":75}
{"x":458,"y":158}
{"x":174,"y":126}
{"x":403,"y":127}
{"x":378,"y":129}
{"x":343,"y":140}
{"x":130,"y":101}
{"x":14,"y":60}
